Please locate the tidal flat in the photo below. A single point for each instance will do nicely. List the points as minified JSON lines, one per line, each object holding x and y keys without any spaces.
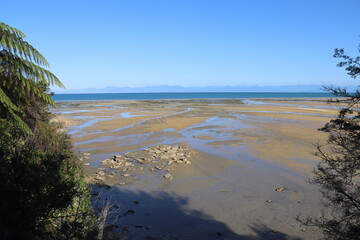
{"x":202,"y":168}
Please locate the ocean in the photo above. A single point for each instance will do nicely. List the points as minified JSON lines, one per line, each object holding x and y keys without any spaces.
{"x":185,"y":95}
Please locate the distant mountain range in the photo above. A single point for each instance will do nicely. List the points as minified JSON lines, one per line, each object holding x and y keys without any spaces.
{"x":165,"y":88}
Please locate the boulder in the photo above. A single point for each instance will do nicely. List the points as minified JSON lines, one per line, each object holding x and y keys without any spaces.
{"x":168,"y":176}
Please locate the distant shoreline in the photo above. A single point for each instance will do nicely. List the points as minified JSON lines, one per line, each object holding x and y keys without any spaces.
{"x":186,"y":95}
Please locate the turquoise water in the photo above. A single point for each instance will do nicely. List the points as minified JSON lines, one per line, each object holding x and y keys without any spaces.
{"x":187,"y":95}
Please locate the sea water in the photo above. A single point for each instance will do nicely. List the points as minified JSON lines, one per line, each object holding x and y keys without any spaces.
{"x":185,"y":95}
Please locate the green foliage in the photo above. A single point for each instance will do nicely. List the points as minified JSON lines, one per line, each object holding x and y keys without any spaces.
{"x":43,"y":192}
{"x":77,"y":221}
{"x":338,"y":173}
{"x":352,"y":64}
{"x":12,"y":40}
{"x":21,"y":69}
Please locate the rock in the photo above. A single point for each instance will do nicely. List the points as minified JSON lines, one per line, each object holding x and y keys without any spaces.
{"x":303,"y":230}
{"x":168,"y":176}
{"x":130,"y":211}
{"x":150,"y":160}
{"x":100,"y":176}
{"x":139,"y":161}
{"x":111,"y":174}
{"x":279,"y":189}
{"x":269,"y":201}
{"x":86,"y":154}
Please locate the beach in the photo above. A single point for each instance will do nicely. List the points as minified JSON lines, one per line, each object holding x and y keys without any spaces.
{"x":202,"y":168}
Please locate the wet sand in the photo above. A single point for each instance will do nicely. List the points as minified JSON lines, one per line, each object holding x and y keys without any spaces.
{"x":241,"y":152}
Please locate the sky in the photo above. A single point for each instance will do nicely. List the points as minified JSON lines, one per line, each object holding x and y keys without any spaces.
{"x":95,"y":44}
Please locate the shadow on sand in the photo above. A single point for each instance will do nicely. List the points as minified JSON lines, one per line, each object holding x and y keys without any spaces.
{"x":160,"y":215}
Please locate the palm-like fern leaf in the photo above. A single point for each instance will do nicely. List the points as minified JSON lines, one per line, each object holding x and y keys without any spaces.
{"x":5,"y":101}
{"x":22,"y":68}
{"x":15,"y":31}
{"x":11,"y":39}
{"x":13,"y":64}
{"x":11,"y":109}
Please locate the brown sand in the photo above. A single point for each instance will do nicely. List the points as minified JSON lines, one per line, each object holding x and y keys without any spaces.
{"x":243,"y":152}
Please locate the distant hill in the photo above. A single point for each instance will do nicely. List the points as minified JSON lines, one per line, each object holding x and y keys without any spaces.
{"x":165,"y":88}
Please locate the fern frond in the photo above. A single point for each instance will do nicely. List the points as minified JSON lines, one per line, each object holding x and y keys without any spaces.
{"x":20,"y":123}
{"x":17,"y":32}
{"x":33,"y":88}
{"x":11,"y":108}
{"x":11,"y":40}
{"x":5,"y":101}
{"x":23,"y":67}
{"x":22,"y":72}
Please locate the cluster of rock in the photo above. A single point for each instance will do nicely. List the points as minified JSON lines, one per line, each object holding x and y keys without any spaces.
{"x":173,"y":154}
{"x":126,"y":167}
{"x":118,"y":162}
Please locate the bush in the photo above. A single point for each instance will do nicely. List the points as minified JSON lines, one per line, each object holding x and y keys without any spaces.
{"x":44,"y":194}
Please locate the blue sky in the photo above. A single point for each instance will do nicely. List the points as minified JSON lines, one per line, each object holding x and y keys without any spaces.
{"x":189,"y":43}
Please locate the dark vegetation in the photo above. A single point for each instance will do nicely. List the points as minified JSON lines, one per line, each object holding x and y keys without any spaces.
{"x":43,"y":194}
{"x":338,"y":173}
